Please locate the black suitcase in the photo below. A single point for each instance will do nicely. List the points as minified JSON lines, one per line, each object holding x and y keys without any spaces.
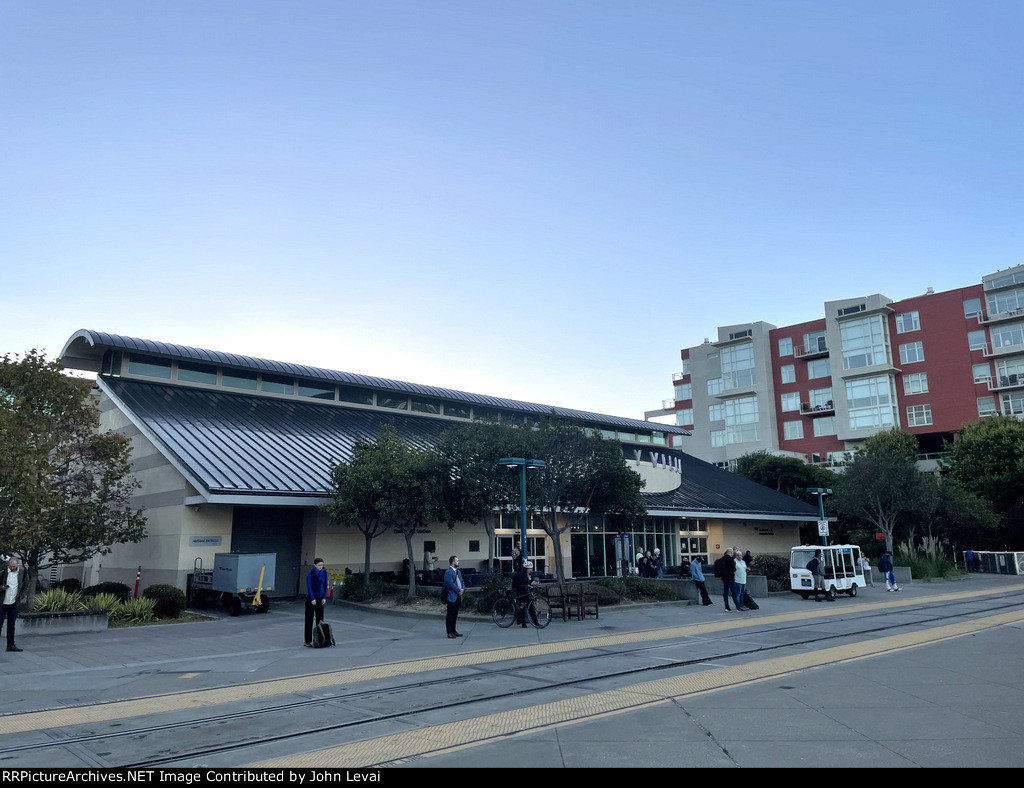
{"x":748,"y":601}
{"x":322,"y":635}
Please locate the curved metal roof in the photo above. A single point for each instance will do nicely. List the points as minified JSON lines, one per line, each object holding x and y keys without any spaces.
{"x":101,"y":341}
{"x":251,"y":445}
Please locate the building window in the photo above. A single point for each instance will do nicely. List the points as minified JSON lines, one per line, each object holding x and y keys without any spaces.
{"x":819,"y":368}
{"x":199,"y":373}
{"x":821,"y":397}
{"x":316,"y":391}
{"x":426,"y":406}
{"x":684,"y":391}
{"x":1008,"y":336}
{"x":972,"y":307}
{"x":982,"y":373}
{"x":149,"y":366}
{"x":871,"y":402}
{"x":919,"y":415}
{"x":864,"y":343}
{"x":788,"y":374}
{"x":275,"y":384}
{"x":1013,"y":404}
{"x":786,"y":347}
{"x":716,"y":412}
{"x":986,"y":406}
{"x":355,"y":396}
{"x":390,"y":401}
{"x":824,"y":426}
{"x":908,"y":321}
{"x":916,"y":383}
{"x":976,"y":340}
{"x":793,"y":430}
{"x":911,"y":352}
{"x":456,"y":411}
{"x":714,"y":386}
{"x":717,"y":438}
{"x":738,"y":366}
{"x":1010,"y":372}
{"x":237,"y":379}
{"x":686,"y":366}
{"x":815,"y":342}
{"x":684,"y":417}
{"x":1006,"y":302}
{"x":741,"y":420}
{"x":790,"y":401}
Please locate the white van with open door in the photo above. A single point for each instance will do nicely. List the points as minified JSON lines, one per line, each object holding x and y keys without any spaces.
{"x":843,"y":574}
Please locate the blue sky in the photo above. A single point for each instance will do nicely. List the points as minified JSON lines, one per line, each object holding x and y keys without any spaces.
{"x":538,"y":200}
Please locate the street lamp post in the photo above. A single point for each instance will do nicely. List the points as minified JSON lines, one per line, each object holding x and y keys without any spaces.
{"x":522,"y":464}
{"x":821,"y":492}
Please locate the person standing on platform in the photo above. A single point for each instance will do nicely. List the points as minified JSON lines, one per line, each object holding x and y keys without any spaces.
{"x":316,"y":598}
{"x":865,"y":566}
{"x":816,"y":566}
{"x":725,"y":570}
{"x":885,"y":567}
{"x":740,"y":579}
{"x":657,"y":564}
{"x":517,"y":556}
{"x":14,"y":592}
{"x":522,"y":582}
{"x":697,"y":573}
{"x":453,"y":588}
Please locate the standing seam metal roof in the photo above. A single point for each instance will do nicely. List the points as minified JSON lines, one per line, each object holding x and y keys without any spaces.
{"x":100,"y":339}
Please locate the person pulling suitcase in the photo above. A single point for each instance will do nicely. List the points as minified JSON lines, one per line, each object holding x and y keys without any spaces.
{"x":316,"y":598}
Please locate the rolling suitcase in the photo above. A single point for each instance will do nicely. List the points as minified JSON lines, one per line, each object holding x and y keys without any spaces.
{"x":322,"y":635}
{"x":748,"y":601}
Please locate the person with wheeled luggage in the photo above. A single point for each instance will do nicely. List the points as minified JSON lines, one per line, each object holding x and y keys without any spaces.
{"x":316,"y":598}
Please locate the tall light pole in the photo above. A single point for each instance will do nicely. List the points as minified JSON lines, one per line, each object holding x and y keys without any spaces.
{"x":522,"y":464}
{"x":821,"y":492}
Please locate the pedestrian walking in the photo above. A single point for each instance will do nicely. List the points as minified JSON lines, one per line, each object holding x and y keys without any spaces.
{"x":453,"y":588}
{"x":886,"y":568}
{"x":316,"y":598}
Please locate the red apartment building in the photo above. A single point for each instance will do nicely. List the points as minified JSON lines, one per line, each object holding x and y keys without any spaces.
{"x":816,"y":390}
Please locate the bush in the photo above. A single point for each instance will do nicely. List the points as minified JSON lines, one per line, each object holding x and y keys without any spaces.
{"x":119,"y":590}
{"x":606,"y":595}
{"x":58,"y":600}
{"x":635,"y":589}
{"x":134,"y":611}
{"x":492,"y":586}
{"x":107,"y":602}
{"x":922,"y":566}
{"x":67,"y":585}
{"x":773,"y":567}
{"x":169,"y":602}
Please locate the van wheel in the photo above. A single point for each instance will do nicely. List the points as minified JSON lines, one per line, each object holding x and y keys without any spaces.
{"x":853,"y":590}
{"x":235,"y":608}
{"x":805,"y":596}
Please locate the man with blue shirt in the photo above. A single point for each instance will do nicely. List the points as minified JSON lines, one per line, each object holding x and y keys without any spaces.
{"x":453,"y":588}
{"x":697,"y":573}
{"x":316,"y":597}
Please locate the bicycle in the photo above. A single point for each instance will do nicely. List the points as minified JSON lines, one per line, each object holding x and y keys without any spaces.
{"x":506,"y":611}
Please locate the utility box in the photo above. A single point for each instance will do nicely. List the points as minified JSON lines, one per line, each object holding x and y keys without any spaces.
{"x":238,"y":580}
{"x":239,"y":573}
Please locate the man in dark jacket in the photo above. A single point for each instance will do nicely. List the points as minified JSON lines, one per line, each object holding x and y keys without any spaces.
{"x":885,"y":567}
{"x":725,"y":570}
{"x":816,"y":566}
{"x":522,"y":582}
{"x":316,"y":598}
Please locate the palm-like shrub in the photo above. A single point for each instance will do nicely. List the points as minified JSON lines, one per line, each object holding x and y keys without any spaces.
{"x":58,"y":600}
{"x":134,"y":611}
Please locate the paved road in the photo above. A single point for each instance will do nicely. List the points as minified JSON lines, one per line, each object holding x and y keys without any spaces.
{"x":956,"y":701}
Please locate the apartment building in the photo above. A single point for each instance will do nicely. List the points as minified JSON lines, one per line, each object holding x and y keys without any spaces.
{"x":816,"y":390}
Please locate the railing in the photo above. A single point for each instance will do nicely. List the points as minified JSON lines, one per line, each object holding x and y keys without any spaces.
{"x":1005,"y":382}
{"x":679,"y":376}
{"x":808,"y":409}
{"x":1003,"y":349}
{"x":807,"y":351}
{"x":984,"y":318}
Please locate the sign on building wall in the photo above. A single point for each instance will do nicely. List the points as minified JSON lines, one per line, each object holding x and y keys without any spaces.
{"x":204,"y":541}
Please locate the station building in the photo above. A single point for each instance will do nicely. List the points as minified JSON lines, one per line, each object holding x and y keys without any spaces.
{"x":234,"y":454}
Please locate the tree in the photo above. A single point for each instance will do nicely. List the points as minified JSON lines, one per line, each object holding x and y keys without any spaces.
{"x":65,"y":488}
{"x":480,"y":489}
{"x":788,"y":475}
{"x":386,"y":485}
{"x":883,"y":484}
{"x":582,"y":474}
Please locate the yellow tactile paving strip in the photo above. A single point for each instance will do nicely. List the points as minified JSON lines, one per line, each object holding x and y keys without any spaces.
{"x":396,"y":748}
{"x":117,"y":710}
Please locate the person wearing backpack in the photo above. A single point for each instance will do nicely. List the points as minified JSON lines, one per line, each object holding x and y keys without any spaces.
{"x":885,"y":567}
{"x":316,"y":598}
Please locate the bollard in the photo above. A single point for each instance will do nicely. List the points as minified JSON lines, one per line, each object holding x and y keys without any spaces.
{"x":138,"y":577}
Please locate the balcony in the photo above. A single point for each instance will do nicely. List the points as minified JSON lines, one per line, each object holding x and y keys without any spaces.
{"x":824,"y":409}
{"x":1007,"y":348}
{"x":985,"y":319}
{"x":811,"y":351}
{"x":1006,"y":382}
{"x":676,"y":376}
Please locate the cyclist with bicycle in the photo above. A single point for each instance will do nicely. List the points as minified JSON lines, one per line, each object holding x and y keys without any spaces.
{"x":522,"y":582}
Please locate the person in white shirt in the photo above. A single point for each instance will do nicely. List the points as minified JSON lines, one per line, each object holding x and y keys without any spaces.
{"x":15,"y":592}
{"x":865,"y":566}
{"x":741,"y":575}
